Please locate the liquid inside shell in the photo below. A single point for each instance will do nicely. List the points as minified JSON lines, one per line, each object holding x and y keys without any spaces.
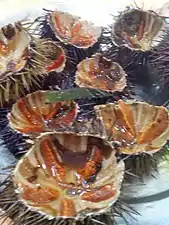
{"x":72,"y":30}
{"x":100,"y":73}
{"x":32,"y":115}
{"x":66,"y":174}
{"x":14,"y":52}
{"x":138,"y":29}
{"x":136,"y":126}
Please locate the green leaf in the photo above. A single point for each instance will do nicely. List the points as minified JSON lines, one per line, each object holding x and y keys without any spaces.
{"x":73,"y":94}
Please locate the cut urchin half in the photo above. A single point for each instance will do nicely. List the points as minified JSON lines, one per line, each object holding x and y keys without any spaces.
{"x":68,"y":175}
{"x":56,"y":59}
{"x":137,"y":127}
{"x":14,"y":52}
{"x":14,"y":55}
{"x":100,"y":73}
{"x":72,"y":30}
{"x":138,"y":29}
{"x":32,"y":115}
{"x":24,"y":59}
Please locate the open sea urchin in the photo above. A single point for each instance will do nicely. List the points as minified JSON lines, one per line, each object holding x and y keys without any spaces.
{"x":137,"y":126}
{"x":24,"y":59}
{"x":138,"y":29}
{"x":72,"y":30}
{"x":57,"y":184}
{"x":138,"y":130}
{"x":100,"y":73}
{"x":32,"y":115}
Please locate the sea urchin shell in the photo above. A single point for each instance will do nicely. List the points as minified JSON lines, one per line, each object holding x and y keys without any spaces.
{"x":100,"y":73}
{"x":14,"y":52}
{"x":68,"y":175}
{"x":138,"y":29}
{"x":72,"y":30}
{"x":137,"y":126}
{"x":56,"y":58}
{"x":32,"y":115}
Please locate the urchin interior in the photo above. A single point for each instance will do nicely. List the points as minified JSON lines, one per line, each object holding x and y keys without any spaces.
{"x":138,"y":29}
{"x":65,"y":174}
